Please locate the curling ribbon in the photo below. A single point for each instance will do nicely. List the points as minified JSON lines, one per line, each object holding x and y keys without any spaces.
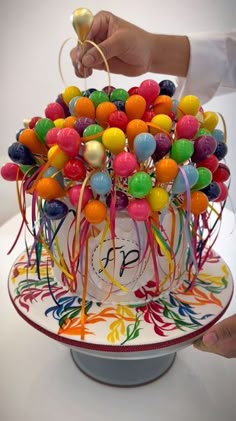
{"x":106,"y":273}
{"x":83,"y":315}
{"x":152,"y":246}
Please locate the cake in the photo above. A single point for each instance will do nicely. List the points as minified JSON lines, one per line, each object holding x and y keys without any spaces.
{"x":127,"y":187}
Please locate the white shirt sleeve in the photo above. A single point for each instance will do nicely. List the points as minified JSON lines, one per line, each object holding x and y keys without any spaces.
{"x":212,"y":67}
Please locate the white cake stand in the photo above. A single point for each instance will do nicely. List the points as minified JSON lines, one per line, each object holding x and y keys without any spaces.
{"x":121,"y":345}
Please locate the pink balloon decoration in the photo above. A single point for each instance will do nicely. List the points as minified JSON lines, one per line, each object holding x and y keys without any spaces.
{"x":149,"y":90}
{"x":75,"y":192}
{"x":11,"y":171}
{"x":68,"y":139}
{"x":53,"y":111}
{"x":51,"y":136}
{"x":187,"y":127}
{"x":125,"y":163}
{"x":139,"y":209}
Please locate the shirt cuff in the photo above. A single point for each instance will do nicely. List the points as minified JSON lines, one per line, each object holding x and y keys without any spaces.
{"x":208,"y":63}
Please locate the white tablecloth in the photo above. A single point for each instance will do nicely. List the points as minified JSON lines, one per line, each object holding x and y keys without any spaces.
{"x":39,"y":381}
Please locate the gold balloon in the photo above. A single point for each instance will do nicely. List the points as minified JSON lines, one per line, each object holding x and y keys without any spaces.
{"x":94,"y":153}
{"x":26,"y":123}
{"x":82,"y":20}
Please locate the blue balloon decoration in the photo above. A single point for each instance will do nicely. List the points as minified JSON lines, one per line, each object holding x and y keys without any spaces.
{"x":18,"y":133}
{"x":189,"y":178}
{"x":54,"y":173}
{"x":88,"y":92}
{"x":175,"y":104}
{"x":101,"y":183}
{"x":119,"y":104}
{"x":72,"y":104}
{"x":55,"y":209}
{"x":218,"y":135}
{"x":167,"y":87}
{"x":144,"y":146}
{"x":221,"y":150}
{"x":212,"y":191}
{"x":20,"y":154}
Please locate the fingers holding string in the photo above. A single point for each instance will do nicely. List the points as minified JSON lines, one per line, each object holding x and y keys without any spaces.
{"x":76,"y":55}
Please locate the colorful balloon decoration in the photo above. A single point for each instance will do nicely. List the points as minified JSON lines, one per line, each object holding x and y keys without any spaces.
{"x":140,"y":184}
{"x":186,"y":178}
{"x":98,"y":155}
{"x":144,"y":146}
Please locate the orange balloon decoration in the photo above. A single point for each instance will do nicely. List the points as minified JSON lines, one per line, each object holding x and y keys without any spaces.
{"x":162,"y":105}
{"x":135,"y":107}
{"x":198,"y":202}
{"x":48,"y":188}
{"x":135,"y":127}
{"x":95,"y":212}
{"x":166,"y":170}
{"x":29,"y":138}
{"x":84,"y":107}
{"x":103,"y":111}
{"x":69,"y":121}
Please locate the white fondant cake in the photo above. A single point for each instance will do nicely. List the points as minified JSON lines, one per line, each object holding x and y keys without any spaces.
{"x":117,"y":268}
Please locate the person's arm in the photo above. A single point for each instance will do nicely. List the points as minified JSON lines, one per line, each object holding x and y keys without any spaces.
{"x":212,"y":66}
{"x":203,"y":62}
{"x":170,"y":54}
{"x":130,"y":50}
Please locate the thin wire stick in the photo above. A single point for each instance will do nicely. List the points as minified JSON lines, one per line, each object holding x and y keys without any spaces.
{"x":82,"y":45}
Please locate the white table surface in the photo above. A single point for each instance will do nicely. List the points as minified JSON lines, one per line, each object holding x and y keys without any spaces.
{"x":39,"y":381}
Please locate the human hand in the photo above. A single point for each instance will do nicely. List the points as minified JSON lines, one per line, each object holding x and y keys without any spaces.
{"x":126,"y":47}
{"x":220,"y":339}
{"x":130,"y":50}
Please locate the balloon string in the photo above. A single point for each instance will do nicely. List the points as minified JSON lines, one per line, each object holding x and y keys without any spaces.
{"x":82,"y":45}
{"x":44,"y":168}
{"x":52,"y":257}
{"x":78,"y":217}
{"x":106,"y":273}
{"x":83,"y":315}
{"x":167,"y":252}
{"x":224,"y":126}
{"x":156,"y":126}
{"x":187,"y":224}
{"x":153,"y":253}
{"x":103,"y":57}
{"x":59,"y":58}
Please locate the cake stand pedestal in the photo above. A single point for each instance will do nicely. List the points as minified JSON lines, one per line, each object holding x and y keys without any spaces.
{"x":123,"y":372}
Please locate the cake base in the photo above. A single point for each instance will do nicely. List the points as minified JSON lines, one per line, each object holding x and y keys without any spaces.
{"x":116,"y":344}
{"x":125,"y":373}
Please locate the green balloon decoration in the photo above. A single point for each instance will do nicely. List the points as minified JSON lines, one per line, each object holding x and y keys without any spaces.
{"x":140,"y":184}
{"x":97,"y":97}
{"x":93,"y":129}
{"x":42,"y":127}
{"x":181,"y":150}
{"x":28,"y":169}
{"x":204,"y":178}
{"x":119,"y":94}
{"x":202,"y":132}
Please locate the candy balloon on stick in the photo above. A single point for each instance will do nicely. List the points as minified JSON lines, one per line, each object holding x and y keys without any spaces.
{"x":82,"y":20}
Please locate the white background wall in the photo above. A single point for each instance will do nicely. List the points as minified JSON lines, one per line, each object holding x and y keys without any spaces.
{"x":32,"y":31}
